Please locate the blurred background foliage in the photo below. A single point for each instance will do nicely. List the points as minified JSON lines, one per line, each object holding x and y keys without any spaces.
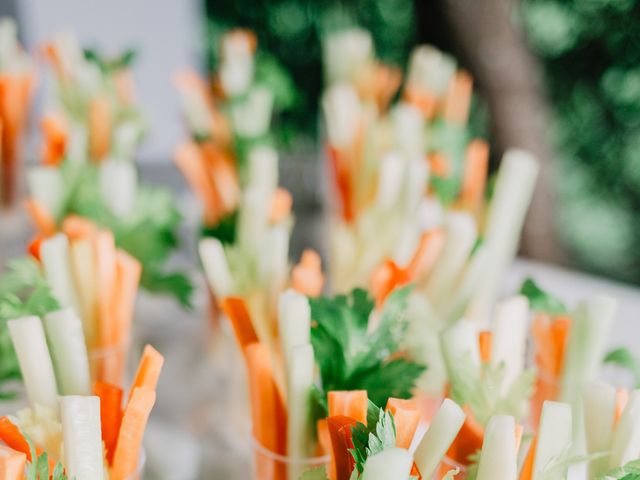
{"x":590,"y":50}
{"x":590,"y":54}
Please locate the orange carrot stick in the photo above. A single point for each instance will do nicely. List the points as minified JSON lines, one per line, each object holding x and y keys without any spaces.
{"x":427,"y":254}
{"x":41,"y":216}
{"x":55,"y":133}
{"x":340,"y":428}
{"x":100,"y":128}
{"x":527,"y":467}
{"x":519,"y":433}
{"x":268,"y":413}
{"x":439,"y":164}
{"x":349,"y":403}
{"x":425,"y":101}
{"x":105,"y":251}
{"x":622,"y":397}
{"x":386,"y":278}
{"x":468,"y":441}
{"x":149,"y":370}
{"x":236,"y":310}
{"x":280,"y":205}
{"x":134,"y":422}
{"x":12,"y":464}
{"x":76,"y":227}
{"x":475,"y":175}
{"x":458,"y":98}
{"x":110,"y":415}
{"x":11,"y":435}
{"x":306,"y":276}
{"x":484,"y":339}
{"x":34,"y":246}
{"x":406,"y":417}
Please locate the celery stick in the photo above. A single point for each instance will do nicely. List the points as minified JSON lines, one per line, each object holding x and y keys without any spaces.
{"x":216,"y":268}
{"x":46,"y":185}
{"x":458,"y":342}
{"x":461,"y":236}
{"x":118,"y":184}
{"x":342,"y":112}
{"x":54,"y":253}
{"x":512,"y":195}
{"x":455,"y":306}
{"x":408,"y":130}
{"x":83,"y":266}
{"x":390,"y":464}
{"x":599,"y":402}
{"x":499,"y":457}
{"x":417,"y":176}
{"x":251,"y":117}
{"x":273,"y":262}
{"x":253,"y":219}
{"x":625,"y":443}
{"x":31,"y":348}
{"x":294,"y":320}
{"x":389,"y":180}
{"x":68,"y":352}
{"x":300,"y":381}
{"x":443,"y":430}
{"x":509,"y":337}
{"x":263,"y":169}
{"x":83,"y":455}
{"x":554,"y":440}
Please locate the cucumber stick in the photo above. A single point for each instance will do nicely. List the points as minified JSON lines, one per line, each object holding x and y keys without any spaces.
{"x":83,"y":266}
{"x":68,"y":352}
{"x":83,"y":455}
{"x":216,"y":268}
{"x":443,"y":430}
{"x":499,"y":456}
{"x":31,"y":348}
{"x":554,"y":440}
{"x":599,"y":402}
{"x":294,"y":320}
{"x":54,"y":254}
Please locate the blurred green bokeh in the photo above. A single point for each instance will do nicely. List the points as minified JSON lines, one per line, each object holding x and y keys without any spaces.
{"x":591,"y":54}
{"x":291,"y":32}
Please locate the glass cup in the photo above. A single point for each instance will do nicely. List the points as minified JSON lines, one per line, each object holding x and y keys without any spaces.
{"x":109,"y":364}
{"x":269,"y":465}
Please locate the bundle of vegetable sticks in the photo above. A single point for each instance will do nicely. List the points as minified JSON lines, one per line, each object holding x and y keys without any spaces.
{"x":17,"y":82}
{"x":79,"y":268}
{"x":85,"y":433}
{"x":87,"y":165}
{"x":228,"y":122}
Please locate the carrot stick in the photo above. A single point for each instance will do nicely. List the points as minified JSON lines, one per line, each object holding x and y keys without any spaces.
{"x":622,"y":397}
{"x":105,"y":251}
{"x":342,"y":179}
{"x":475,"y":176}
{"x":76,"y":227}
{"x":349,"y":403}
{"x":468,"y":441}
{"x":427,"y":254}
{"x":269,"y":416}
{"x":134,"y":422}
{"x":236,"y":310}
{"x":100,"y":126}
{"x":527,"y":468}
{"x":34,"y":246}
{"x":55,"y":133}
{"x":306,"y":276}
{"x":458,"y":98}
{"x":12,"y":464}
{"x":281,"y":202}
{"x":11,"y":435}
{"x":110,"y":415}
{"x":223,"y":176}
{"x":188,"y":158}
{"x":484,"y":339}
{"x":425,"y":101}
{"x":340,"y":431}
{"x":125,"y":86}
{"x":406,"y":417}
{"x":439,"y":164}
{"x":519,"y":433}
{"x":41,"y":216}
{"x":386,"y":278}
{"x":149,"y":370}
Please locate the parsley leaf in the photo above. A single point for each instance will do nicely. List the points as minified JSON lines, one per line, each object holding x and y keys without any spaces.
{"x":622,"y":357}
{"x":541,"y":301}
{"x":629,"y":471}
{"x":351,"y":358}
{"x":39,"y":469}
{"x":110,"y":65}
{"x":378,"y":435}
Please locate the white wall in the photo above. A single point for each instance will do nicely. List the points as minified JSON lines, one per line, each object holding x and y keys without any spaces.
{"x":166,"y":34}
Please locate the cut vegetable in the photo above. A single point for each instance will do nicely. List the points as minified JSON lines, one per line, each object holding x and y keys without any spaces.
{"x":294,"y":321}
{"x":599,"y":401}
{"x":553,"y":441}
{"x":54,"y":253}
{"x":342,"y":462}
{"x":83,"y":265}
{"x":390,"y":464}
{"x":149,"y":370}
{"x":12,"y":464}
{"x":82,"y":437}
{"x":625,"y":443}
{"x":31,"y":348}
{"x":352,"y":404}
{"x":215,"y":267}
{"x":110,"y":415}
{"x":68,"y":352}
{"x":236,"y":310}
{"x":443,"y":430}
{"x":406,"y":417}
{"x":499,"y":456}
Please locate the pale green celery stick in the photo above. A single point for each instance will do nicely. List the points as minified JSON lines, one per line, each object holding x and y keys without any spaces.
{"x":54,"y":254}
{"x":299,"y":384}
{"x":46,"y":185}
{"x":263,"y":169}
{"x":455,"y":306}
{"x":31,"y":348}
{"x":83,"y":266}
{"x":554,"y":440}
{"x":625,"y":443}
{"x":509,"y":337}
{"x":294,"y":320}
{"x":68,"y":352}
{"x":118,"y":184}
{"x":443,"y":430}
{"x":499,"y":456}
{"x":391,"y":464}
{"x":461,"y":234}
{"x":216,"y":268}
{"x":83,"y":455}
{"x":599,"y":400}
{"x":511,"y":198}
